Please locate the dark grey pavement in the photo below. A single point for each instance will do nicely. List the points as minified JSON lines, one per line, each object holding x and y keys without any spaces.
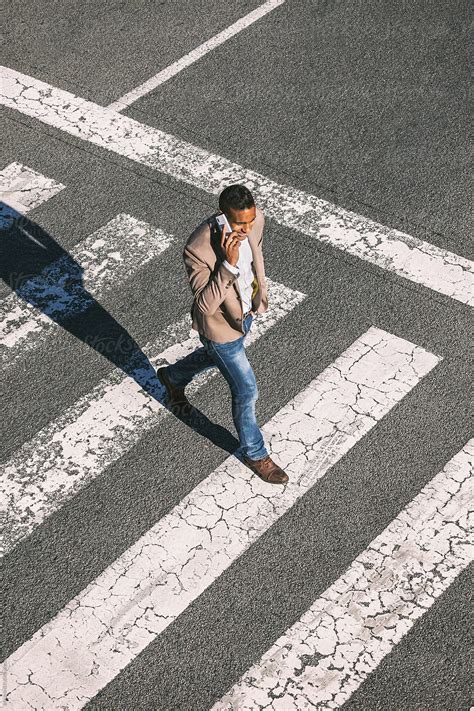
{"x":364,"y":105}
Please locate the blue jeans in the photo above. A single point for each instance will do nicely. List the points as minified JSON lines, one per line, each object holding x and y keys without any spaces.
{"x":232,"y":362}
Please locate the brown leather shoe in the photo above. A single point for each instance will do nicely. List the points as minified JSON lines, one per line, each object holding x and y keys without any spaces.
{"x":175,"y":396}
{"x":266,"y":469}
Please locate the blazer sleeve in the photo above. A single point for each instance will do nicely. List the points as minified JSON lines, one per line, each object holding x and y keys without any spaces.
{"x":209,"y":288}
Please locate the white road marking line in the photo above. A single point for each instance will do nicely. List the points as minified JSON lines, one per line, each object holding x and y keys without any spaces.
{"x":210,"y":44}
{"x":23,"y":188}
{"x":69,"y":452}
{"x":389,"y":249}
{"x":325,"y":656}
{"x":111,"y":621}
{"x":72,"y":283}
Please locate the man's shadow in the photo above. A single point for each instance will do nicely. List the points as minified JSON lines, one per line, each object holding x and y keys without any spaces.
{"x":46,"y":276}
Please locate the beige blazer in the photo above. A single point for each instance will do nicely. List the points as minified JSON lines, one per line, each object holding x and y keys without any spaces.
{"x":216,"y":311}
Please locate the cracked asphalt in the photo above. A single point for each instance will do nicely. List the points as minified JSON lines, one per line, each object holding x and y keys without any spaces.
{"x":364,"y":105}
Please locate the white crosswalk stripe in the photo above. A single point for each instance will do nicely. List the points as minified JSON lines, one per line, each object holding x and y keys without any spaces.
{"x":71,"y":451}
{"x":71,"y":284}
{"x":112,"y":620}
{"x":325,"y":656}
{"x":23,"y":189}
{"x":389,"y":249}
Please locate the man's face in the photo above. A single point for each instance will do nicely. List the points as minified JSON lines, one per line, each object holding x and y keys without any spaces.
{"x":242,"y":220}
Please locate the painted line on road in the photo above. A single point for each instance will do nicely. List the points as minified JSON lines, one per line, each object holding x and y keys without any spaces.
{"x":397,"y":252}
{"x":71,"y":284}
{"x":24,"y":189}
{"x":188,"y":59}
{"x":325,"y":656}
{"x":117,"y":615}
{"x":97,"y":430}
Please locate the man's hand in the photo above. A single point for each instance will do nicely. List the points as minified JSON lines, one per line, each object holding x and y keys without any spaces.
{"x":230,"y":243}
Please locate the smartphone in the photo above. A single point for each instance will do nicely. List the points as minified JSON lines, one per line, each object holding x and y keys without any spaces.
{"x":221,"y":221}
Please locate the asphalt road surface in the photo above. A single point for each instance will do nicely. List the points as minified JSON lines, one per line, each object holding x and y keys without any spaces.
{"x":145,"y":566}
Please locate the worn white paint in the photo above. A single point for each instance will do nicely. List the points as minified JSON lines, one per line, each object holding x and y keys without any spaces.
{"x":111,"y":621}
{"x":74,"y":449}
{"x":325,"y":656}
{"x":24,"y":189}
{"x":193,"y":56}
{"x":387,"y":248}
{"x":72,"y":284}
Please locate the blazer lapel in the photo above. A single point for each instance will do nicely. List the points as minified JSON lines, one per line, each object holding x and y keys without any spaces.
{"x":256,"y":257}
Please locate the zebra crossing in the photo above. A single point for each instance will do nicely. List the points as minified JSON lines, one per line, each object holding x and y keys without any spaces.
{"x":98,"y":429}
{"x":389,"y":249}
{"x":71,"y":284}
{"x":98,"y":632}
{"x":324,"y":657}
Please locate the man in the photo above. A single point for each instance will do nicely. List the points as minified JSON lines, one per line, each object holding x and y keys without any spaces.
{"x":227,"y":277}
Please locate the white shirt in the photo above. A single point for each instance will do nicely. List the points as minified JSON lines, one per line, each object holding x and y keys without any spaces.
{"x":247,"y":279}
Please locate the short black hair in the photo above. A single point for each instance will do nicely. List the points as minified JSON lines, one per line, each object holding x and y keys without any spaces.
{"x":237,"y":197}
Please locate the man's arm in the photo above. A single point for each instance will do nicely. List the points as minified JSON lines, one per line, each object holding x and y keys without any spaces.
{"x":209,"y":290}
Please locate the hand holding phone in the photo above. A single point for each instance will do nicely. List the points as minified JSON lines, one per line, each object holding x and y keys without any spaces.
{"x":230,"y":240}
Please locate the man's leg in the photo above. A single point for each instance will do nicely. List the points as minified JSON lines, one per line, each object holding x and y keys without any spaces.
{"x":232,"y":361}
{"x":183,"y":371}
